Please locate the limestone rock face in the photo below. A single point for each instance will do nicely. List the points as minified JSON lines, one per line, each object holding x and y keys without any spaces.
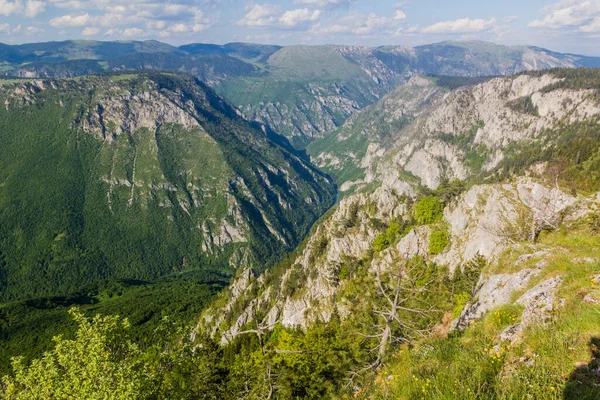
{"x":539,"y":302}
{"x":434,"y":134}
{"x":488,"y":218}
{"x":484,"y":221}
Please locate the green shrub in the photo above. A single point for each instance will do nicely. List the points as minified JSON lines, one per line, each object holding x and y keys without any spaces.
{"x":459,"y":300}
{"x":390,"y":237}
{"x":318,"y":249}
{"x":438,"y":242}
{"x":381,"y":242}
{"x":428,"y":210}
{"x":393,"y":231}
{"x":344,"y":272}
{"x":524,"y":105}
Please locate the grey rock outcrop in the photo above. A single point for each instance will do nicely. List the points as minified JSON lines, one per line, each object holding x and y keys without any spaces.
{"x":539,"y":302}
{"x":495,"y":291}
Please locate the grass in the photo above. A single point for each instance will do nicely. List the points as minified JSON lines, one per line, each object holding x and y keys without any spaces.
{"x":543,"y":365}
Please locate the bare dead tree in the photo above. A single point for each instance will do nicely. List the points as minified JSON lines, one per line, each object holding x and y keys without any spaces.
{"x":401,"y":294}
{"x":261,"y":329}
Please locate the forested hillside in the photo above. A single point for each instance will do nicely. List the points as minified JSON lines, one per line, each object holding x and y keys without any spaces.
{"x":139,"y":176}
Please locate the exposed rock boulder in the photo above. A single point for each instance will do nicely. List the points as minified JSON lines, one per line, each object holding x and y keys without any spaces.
{"x":496,"y":291}
{"x":539,"y":302}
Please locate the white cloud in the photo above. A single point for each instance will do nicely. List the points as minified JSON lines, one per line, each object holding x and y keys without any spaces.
{"x":463,"y":25}
{"x":324,"y":4}
{"x":156,"y":24}
{"x":400,"y":15}
{"x":131,"y":32}
{"x":135,"y":17}
{"x":10,"y":7}
{"x":70,"y":4}
{"x":71,"y":20}
{"x":260,"y":15}
{"x":296,"y":17}
{"x":28,"y":8}
{"x":90,"y":31}
{"x":200,"y":27}
{"x":567,"y":13}
{"x":33,"y":30}
{"x":33,"y":8}
{"x":591,"y":27}
{"x":5,"y":28}
{"x":179,"y":28}
{"x":358,"y":24}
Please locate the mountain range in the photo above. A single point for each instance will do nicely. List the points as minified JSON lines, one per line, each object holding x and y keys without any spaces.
{"x":255,"y":221}
{"x":302,"y":92}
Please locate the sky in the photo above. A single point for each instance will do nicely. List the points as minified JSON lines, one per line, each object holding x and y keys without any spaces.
{"x":561,"y":25}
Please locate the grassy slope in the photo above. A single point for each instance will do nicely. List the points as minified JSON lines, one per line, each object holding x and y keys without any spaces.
{"x":478,"y":365}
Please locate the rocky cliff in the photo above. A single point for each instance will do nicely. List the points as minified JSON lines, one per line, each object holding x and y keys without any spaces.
{"x":473,"y":131}
{"x":423,"y":198}
{"x":487,"y":221}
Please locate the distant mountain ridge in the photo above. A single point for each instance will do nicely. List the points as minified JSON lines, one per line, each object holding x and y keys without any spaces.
{"x":302,"y":92}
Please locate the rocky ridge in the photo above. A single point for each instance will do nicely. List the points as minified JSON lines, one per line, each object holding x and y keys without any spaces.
{"x":487,"y":220}
{"x":457,"y":135}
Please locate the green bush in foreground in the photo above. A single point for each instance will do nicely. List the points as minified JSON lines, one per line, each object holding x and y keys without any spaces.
{"x":100,"y":363}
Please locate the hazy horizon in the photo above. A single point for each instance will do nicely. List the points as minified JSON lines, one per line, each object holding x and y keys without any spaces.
{"x":567,"y":26}
{"x":294,"y":44}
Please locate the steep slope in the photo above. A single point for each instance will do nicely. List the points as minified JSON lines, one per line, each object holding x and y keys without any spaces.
{"x":302,"y":92}
{"x":431,"y":287}
{"x":501,"y":126}
{"x":137,"y":176}
{"x":357,"y":239}
{"x":345,"y":152}
{"x":476,"y":299}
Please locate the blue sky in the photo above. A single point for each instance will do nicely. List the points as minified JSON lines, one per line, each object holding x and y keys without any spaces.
{"x":561,"y":25}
